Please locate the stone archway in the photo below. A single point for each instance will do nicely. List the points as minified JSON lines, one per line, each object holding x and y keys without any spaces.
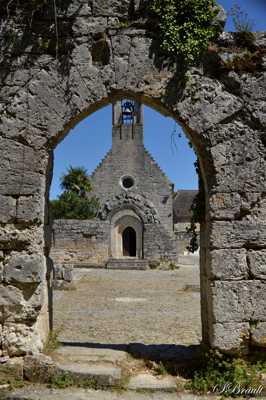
{"x":223,"y":113}
{"x":120,"y":222}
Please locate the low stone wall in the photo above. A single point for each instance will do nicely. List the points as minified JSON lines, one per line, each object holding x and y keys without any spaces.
{"x":87,"y":243}
{"x":80,"y":243}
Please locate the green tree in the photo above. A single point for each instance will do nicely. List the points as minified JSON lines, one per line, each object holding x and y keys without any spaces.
{"x":74,"y":202}
{"x":76,"y":180}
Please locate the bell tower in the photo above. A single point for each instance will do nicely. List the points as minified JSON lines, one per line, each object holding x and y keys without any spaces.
{"x":127,"y":112}
{"x":128,"y":127}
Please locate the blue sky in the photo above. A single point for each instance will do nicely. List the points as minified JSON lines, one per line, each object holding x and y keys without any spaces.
{"x":90,"y":140}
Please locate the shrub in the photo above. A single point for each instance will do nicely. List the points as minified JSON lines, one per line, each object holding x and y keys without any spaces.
{"x":185,"y":26}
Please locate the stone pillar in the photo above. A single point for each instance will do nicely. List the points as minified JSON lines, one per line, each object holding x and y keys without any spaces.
{"x":234,"y":277}
{"x":23,"y":287}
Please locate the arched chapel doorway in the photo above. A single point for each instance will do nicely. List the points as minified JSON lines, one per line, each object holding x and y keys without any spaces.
{"x":129,"y":241}
{"x":126,"y":235}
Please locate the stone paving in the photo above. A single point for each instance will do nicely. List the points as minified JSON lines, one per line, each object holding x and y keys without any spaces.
{"x":122,"y":307}
{"x":42,"y":393}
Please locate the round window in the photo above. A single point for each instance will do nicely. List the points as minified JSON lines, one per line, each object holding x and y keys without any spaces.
{"x":127,"y":182}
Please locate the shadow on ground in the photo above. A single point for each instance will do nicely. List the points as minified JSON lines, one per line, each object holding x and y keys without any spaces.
{"x":181,"y":354}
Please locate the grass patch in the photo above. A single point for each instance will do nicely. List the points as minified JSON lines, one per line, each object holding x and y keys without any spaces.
{"x":65,"y":380}
{"x":52,"y":342}
{"x":13,"y":383}
{"x":214,"y":371}
{"x":61,"y":381}
{"x":89,"y":383}
{"x":160,"y":369}
{"x":218,"y":370}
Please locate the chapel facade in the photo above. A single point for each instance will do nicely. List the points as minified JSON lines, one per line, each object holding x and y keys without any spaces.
{"x":136,"y":197}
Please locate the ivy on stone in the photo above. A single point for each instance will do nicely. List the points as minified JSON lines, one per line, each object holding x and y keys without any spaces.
{"x":185,"y":26}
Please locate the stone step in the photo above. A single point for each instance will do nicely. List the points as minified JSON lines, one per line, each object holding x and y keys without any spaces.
{"x":43,"y":369}
{"x":127,"y":264}
{"x":148,"y":382}
{"x":99,"y":375}
{"x":73,"y":353}
{"x":96,"y":365}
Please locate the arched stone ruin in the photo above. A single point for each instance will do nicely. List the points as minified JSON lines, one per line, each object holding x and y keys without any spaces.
{"x":46,"y":89}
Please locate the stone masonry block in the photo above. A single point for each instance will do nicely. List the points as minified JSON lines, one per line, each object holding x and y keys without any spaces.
{"x":237,"y":301}
{"x":257,"y":264}
{"x":228,"y":264}
{"x":224,"y":206}
{"x":249,"y":176}
{"x":22,"y":170}
{"x":7,"y":208}
{"x":20,"y":339}
{"x":237,"y":234}
{"x":111,"y":8}
{"x":24,"y":269}
{"x":204,"y":114}
{"x":236,"y":151}
{"x":10,"y":296}
{"x":258,"y":334}
{"x":39,"y":368}
{"x":230,"y":337}
{"x":11,"y":238}
{"x":89,"y":26}
{"x":20,"y":305}
{"x":30,"y":208}
{"x":75,"y":8}
{"x":258,"y":300}
{"x":14,"y":238}
{"x":227,"y":206}
{"x":12,"y":369}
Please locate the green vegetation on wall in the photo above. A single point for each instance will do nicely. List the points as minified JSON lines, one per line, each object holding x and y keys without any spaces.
{"x":185,"y":26}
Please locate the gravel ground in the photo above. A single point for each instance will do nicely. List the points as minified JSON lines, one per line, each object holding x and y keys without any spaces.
{"x":121,"y":307}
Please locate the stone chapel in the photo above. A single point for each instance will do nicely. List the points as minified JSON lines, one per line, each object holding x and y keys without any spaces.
{"x":135,"y":222}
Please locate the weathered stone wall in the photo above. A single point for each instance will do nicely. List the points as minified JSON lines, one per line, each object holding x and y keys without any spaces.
{"x":80,"y":243}
{"x":158,"y":243}
{"x":44,"y":93}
